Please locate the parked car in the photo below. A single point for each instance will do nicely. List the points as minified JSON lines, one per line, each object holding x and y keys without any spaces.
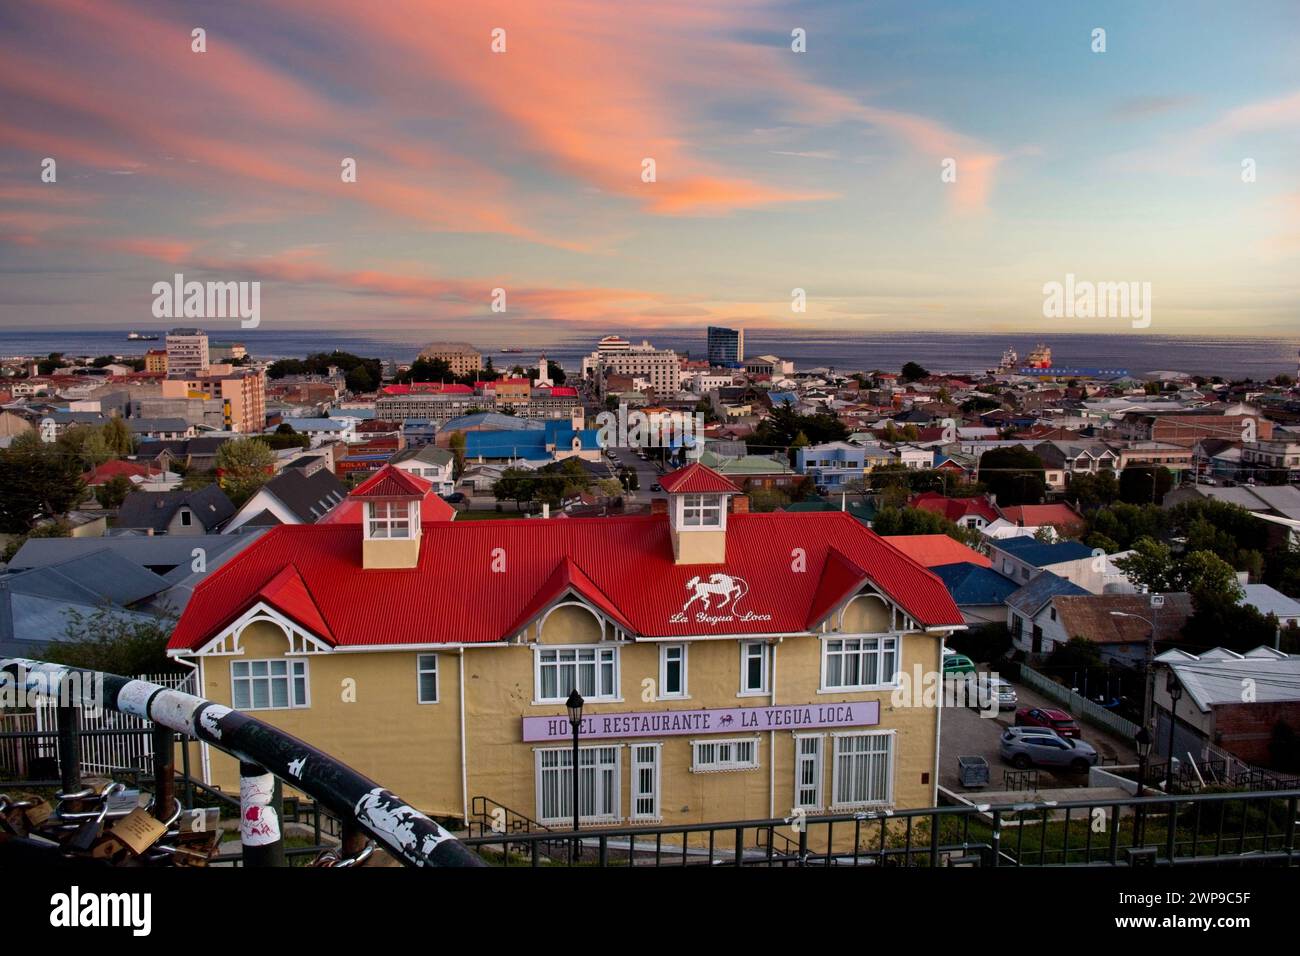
{"x":454,"y":498}
{"x":956,"y":664}
{"x":990,"y":688}
{"x":1039,"y":747}
{"x":656,"y":487}
{"x":1052,"y":719}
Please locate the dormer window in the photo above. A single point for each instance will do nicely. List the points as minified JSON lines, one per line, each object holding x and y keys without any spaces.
{"x":388,"y":519}
{"x":702,"y":511}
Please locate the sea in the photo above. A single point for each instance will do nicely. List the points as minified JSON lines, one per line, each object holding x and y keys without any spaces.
{"x":1141,"y":354}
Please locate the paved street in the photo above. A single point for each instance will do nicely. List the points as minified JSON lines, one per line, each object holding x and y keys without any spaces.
{"x":966,"y":733}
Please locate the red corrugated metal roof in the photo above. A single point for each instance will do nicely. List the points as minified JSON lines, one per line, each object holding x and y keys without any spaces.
{"x":454,"y":595}
{"x":288,"y":594}
{"x":349,"y":511}
{"x":391,"y":482}
{"x":696,"y":479}
{"x":932,"y":550}
{"x":954,"y":509}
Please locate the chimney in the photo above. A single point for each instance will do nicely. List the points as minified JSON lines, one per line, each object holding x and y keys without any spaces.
{"x":659,"y":506}
{"x":740,"y":504}
{"x":546,"y":510}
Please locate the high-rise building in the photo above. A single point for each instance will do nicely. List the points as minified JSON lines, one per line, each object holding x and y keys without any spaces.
{"x":461,"y":357}
{"x":660,"y":368}
{"x":726,"y":346}
{"x":155,"y":360}
{"x":187,"y":351}
{"x":242,"y":393}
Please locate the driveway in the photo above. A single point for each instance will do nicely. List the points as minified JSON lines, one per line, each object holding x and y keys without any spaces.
{"x":965,"y":733}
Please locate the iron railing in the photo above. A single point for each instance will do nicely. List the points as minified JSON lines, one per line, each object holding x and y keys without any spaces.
{"x":266,"y":754}
{"x":1201,"y":829}
{"x":1257,"y":828}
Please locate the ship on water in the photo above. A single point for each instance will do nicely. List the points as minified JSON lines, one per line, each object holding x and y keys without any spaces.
{"x":141,"y":337}
{"x":1040,"y":357}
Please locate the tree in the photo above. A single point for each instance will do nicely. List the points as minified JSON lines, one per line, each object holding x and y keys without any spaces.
{"x":244,"y":465}
{"x":456,"y":445}
{"x":1015,"y":474}
{"x":1200,"y":573}
{"x":359,"y":379}
{"x":913,"y":372}
{"x":117,"y":437}
{"x":1151,"y":565}
{"x":1076,"y":654}
{"x":1203,"y":572}
{"x":39,"y":482}
{"x":86,"y":444}
{"x":892,"y":520}
{"x":767,"y":499}
{"x":782,"y":428}
{"x":1123,"y":524}
{"x":50,"y":529}
{"x":1088,"y":492}
{"x":46,"y":366}
{"x":113,"y":492}
{"x":111,"y":641}
{"x":515,"y":484}
{"x":1139,"y":483}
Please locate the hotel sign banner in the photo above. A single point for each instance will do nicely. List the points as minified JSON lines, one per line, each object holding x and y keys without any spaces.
{"x":671,"y":723}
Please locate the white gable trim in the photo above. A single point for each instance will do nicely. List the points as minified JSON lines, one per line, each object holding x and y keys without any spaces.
{"x":228,"y":642}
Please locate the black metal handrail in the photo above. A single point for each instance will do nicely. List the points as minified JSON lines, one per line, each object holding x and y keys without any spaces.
{"x":1162,"y":830}
{"x":366,"y":808}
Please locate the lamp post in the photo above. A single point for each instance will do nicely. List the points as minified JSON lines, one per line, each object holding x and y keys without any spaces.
{"x":1157,"y":602}
{"x":574,"y":705}
{"x":1175,"y":688}
{"x":1142,"y":740}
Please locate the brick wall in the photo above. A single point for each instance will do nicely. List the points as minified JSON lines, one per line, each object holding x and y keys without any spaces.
{"x":1247,"y":729}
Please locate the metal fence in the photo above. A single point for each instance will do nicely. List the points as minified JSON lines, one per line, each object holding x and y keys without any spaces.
{"x":102,"y":753}
{"x":1077,"y":704}
{"x":370,"y":815}
{"x":1204,"y":829}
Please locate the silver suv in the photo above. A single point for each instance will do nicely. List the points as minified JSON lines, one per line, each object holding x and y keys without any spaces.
{"x":1039,"y":747}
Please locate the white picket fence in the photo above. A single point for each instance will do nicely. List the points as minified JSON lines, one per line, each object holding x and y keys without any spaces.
{"x":100,"y":754}
{"x":1077,"y":704}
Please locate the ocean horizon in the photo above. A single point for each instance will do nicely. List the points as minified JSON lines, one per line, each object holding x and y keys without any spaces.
{"x":1231,"y":357}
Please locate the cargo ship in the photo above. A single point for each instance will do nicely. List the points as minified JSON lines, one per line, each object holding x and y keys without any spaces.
{"x":141,"y":337}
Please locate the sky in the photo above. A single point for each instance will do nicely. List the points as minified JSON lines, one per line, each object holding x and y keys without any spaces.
{"x":828,"y":169}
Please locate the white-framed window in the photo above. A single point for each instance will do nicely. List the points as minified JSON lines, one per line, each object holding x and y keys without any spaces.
{"x":426,"y":672}
{"x":854,"y":663}
{"x":592,"y":670}
{"x":710,"y":756}
{"x":276,"y":684}
{"x":187,"y":518}
{"x":755,"y":665}
{"x":645,"y":781}
{"x":808,"y":771}
{"x":389,"y":519}
{"x":672,"y":670}
{"x":863,"y":769}
{"x":701,"y":511}
{"x":598,"y":795}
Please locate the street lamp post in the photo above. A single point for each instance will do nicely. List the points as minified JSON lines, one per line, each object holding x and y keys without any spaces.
{"x":1175,"y":688}
{"x":1142,"y":740}
{"x":1157,"y":602}
{"x":574,"y":705}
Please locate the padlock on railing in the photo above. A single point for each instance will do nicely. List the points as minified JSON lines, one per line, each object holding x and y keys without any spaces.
{"x":334,"y":860}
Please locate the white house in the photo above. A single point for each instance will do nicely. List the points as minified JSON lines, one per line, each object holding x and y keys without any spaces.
{"x":429,"y":462}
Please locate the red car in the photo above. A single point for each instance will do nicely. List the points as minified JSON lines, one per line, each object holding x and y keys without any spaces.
{"x":1057,"y":720}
